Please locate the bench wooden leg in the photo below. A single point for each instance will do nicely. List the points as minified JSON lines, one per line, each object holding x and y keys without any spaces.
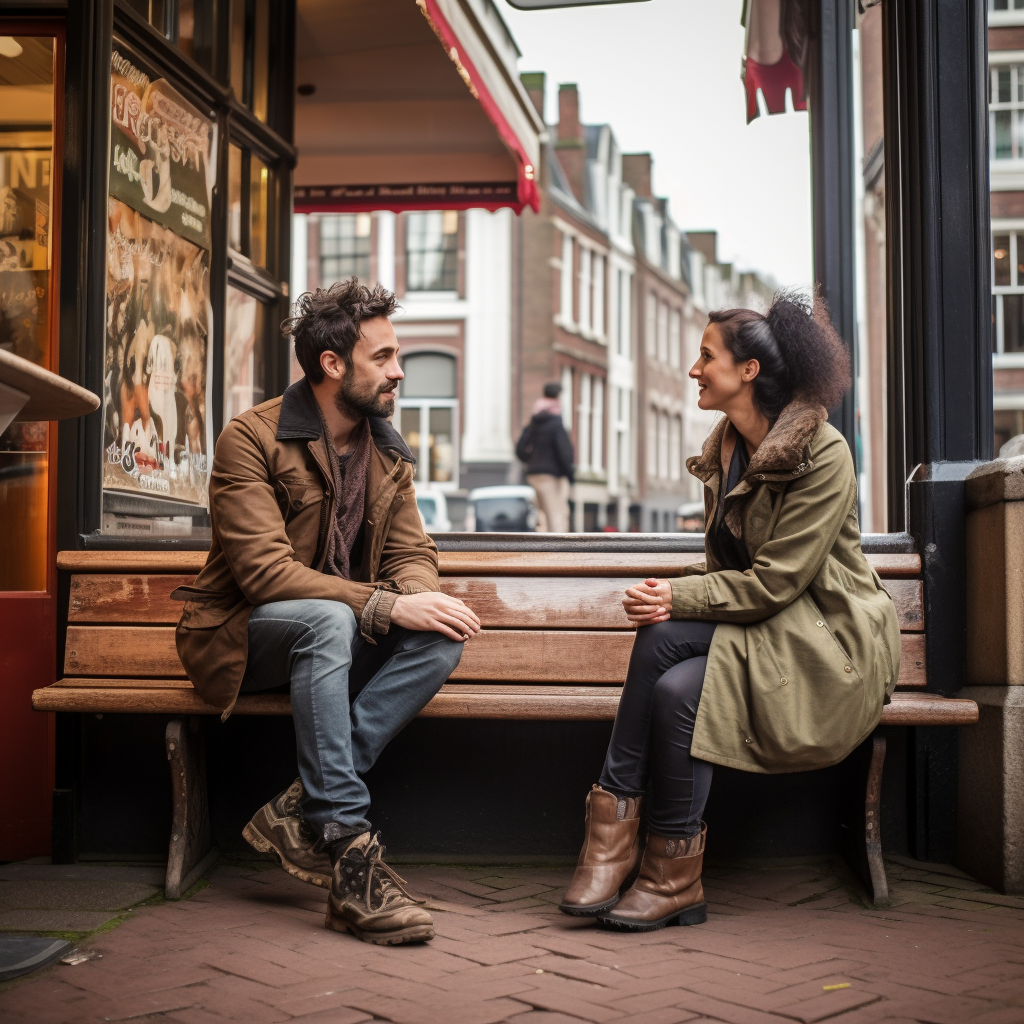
{"x":191,"y":851}
{"x":863,"y":846}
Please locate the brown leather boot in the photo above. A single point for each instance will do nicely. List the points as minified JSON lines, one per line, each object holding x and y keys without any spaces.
{"x":610,"y":852}
{"x":667,"y":890}
{"x":277,"y":827}
{"x":370,"y":900}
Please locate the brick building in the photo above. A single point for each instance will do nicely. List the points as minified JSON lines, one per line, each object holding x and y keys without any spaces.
{"x":1006,"y":152}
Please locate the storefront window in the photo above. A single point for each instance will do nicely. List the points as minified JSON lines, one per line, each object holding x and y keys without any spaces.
{"x":259,"y":197}
{"x":26,"y":281}
{"x":243,"y":353}
{"x":250,"y":54}
{"x":432,"y":251}
{"x":428,"y":413}
{"x":235,"y":197}
{"x":344,"y":247}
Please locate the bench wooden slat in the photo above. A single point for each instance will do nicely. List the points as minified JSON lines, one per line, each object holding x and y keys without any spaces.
{"x":462,"y":563}
{"x":469,"y":701}
{"x":502,"y":655}
{"x":513,"y":602}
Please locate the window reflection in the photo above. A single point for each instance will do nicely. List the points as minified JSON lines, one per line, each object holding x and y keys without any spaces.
{"x":259,"y":198}
{"x":260,"y":58}
{"x":432,"y":251}
{"x":243,"y":353}
{"x":344,"y":246}
{"x":235,"y":197}
{"x":26,"y":156}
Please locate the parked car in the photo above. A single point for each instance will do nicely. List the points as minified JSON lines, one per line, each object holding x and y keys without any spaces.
{"x":511,"y":508}
{"x":690,"y":517}
{"x":433,"y":508}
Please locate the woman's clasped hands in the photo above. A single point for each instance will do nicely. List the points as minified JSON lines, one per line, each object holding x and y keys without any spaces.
{"x":648,"y":602}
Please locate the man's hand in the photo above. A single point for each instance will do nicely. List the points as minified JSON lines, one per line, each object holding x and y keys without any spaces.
{"x":648,"y":602}
{"x":436,"y":613}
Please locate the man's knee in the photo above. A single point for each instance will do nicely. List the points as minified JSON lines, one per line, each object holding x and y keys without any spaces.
{"x":324,"y":621}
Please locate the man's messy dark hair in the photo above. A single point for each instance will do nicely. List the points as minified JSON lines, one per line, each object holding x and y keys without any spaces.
{"x":331,"y":318}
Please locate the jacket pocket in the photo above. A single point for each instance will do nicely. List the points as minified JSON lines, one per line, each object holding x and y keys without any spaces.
{"x":822,"y":623}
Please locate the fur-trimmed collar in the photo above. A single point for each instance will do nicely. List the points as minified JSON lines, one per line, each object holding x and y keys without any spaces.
{"x":783,"y":455}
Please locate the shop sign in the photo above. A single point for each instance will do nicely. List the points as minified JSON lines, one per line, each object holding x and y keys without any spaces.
{"x":160,"y":150}
{"x":431,"y":196}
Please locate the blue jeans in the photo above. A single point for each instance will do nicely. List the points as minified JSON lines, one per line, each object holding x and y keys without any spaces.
{"x":349,"y":697}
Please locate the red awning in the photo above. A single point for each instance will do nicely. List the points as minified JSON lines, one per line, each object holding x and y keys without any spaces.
{"x":415,"y":104}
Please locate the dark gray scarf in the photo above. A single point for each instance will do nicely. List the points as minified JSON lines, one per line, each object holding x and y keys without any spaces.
{"x":350,"y":497}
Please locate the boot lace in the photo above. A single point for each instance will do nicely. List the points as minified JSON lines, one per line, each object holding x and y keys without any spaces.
{"x":366,"y":876}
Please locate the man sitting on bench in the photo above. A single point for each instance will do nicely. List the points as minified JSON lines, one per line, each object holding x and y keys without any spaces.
{"x":320,"y":577}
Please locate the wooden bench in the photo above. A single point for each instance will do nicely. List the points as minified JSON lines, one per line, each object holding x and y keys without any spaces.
{"x":555,"y":645}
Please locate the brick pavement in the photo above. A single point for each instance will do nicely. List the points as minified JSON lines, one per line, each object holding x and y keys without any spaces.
{"x":783,"y":944}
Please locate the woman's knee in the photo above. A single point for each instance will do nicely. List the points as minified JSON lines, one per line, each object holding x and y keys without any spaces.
{"x":680,"y":686}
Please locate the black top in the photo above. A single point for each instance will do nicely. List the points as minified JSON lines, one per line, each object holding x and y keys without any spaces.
{"x":730,"y":552}
{"x":545,"y":446}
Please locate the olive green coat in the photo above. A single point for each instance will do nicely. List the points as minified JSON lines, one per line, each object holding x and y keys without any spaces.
{"x":808,"y":646}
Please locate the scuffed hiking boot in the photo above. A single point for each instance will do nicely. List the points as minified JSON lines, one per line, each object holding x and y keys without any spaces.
{"x":276,"y":827}
{"x":667,"y":890}
{"x":370,"y":901}
{"x":611,"y":850}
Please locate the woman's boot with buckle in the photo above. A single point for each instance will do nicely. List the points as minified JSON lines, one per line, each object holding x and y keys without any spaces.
{"x":611,"y":848}
{"x":667,"y":890}
{"x":370,"y":900}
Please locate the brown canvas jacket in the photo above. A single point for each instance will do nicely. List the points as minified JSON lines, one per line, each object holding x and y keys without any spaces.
{"x":272,"y":502}
{"x":807,"y":649}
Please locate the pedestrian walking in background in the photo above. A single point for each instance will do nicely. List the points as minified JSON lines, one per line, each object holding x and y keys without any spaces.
{"x":547,"y":451}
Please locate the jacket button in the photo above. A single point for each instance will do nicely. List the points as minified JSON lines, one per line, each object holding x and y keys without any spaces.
{"x":846,"y":668}
{"x":819,"y":623}
{"x":748,"y":740}
{"x":784,"y":680}
{"x":760,"y":476}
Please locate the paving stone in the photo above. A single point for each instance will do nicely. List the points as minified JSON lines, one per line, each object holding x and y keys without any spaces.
{"x":53,"y":920}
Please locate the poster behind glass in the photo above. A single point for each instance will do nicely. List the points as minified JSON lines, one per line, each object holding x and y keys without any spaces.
{"x":156,"y":432}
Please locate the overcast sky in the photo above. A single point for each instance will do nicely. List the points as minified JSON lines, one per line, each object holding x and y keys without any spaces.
{"x":665,"y":74}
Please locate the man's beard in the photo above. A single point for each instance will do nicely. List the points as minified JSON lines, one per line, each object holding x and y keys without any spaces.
{"x":354,"y":401}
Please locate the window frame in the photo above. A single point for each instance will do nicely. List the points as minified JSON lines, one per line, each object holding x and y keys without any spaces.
{"x":1014,"y":227}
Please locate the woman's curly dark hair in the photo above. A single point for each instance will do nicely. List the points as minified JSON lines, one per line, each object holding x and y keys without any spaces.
{"x":798,"y":350}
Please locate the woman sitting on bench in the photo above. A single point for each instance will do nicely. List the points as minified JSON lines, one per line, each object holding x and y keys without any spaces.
{"x":776,"y":654}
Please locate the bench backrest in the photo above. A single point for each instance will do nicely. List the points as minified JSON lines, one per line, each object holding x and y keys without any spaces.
{"x":549,"y":617}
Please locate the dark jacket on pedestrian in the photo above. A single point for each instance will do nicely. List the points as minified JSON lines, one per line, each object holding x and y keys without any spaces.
{"x":273,"y":506}
{"x":545,"y":446}
{"x":807,"y":648}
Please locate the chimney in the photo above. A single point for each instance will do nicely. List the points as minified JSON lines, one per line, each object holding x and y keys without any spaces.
{"x":533,"y":83}
{"x":571,"y":149}
{"x":706,"y":243}
{"x":636,"y":173}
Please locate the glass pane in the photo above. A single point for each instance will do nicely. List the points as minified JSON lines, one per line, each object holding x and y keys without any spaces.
{"x":260,"y":58}
{"x":243,"y":353}
{"x":259,"y":205}
{"x":432,"y":251}
{"x":428,"y":376}
{"x":26,"y":122}
{"x":442,"y":445}
{"x":344,"y":247}
{"x":235,"y":198}
{"x":410,"y":430}
{"x":154,"y":11}
{"x":195,"y":30}
{"x":1001,"y":132}
{"x":1003,"y":85}
{"x":1001,"y":257}
{"x":1013,"y":323}
{"x":238,"y":49}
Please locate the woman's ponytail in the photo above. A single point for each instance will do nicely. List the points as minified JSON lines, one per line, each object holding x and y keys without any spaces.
{"x":799,"y":352}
